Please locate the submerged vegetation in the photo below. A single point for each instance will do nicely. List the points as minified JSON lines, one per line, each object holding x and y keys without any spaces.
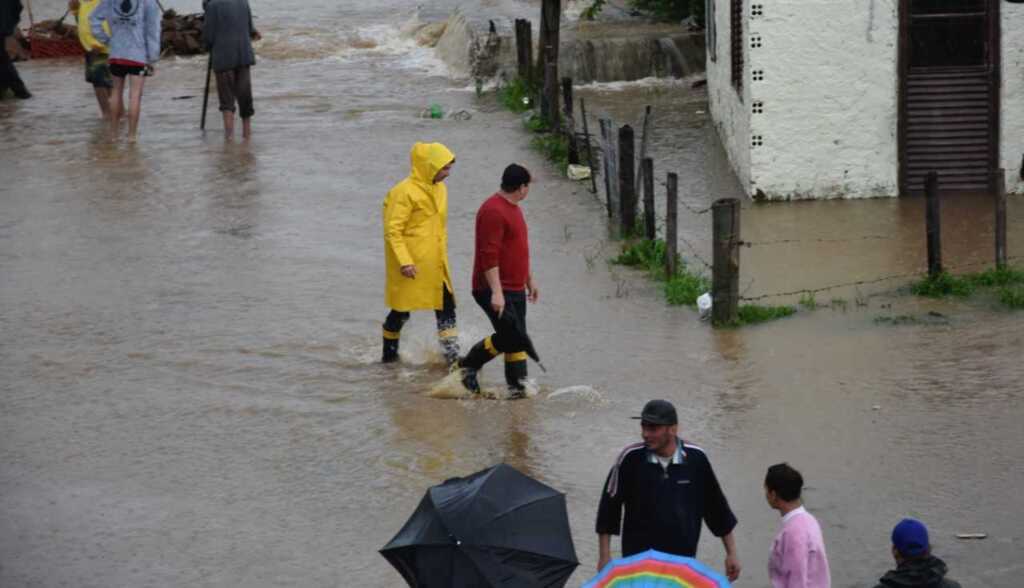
{"x":1007,"y":282}
{"x":683,"y":288}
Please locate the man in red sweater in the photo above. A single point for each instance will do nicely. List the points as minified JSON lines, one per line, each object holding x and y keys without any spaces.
{"x":502,"y":282}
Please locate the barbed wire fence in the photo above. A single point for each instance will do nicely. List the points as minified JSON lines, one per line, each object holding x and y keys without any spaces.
{"x":617,"y":165}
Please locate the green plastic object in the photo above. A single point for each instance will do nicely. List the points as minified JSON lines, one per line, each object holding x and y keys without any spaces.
{"x":435,"y":111}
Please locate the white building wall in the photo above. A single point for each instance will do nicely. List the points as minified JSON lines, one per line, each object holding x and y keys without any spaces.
{"x":1012,"y":99}
{"x":830,"y":99}
{"x":729,"y":113}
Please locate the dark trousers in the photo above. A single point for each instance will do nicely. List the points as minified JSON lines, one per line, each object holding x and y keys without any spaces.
{"x":502,"y":341}
{"x":235,"y":85}
{"x":9,"y":77}
{"x":446,"y":329}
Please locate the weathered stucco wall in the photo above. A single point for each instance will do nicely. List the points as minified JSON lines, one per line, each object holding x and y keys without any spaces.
{"x":729,"y":113}
{"x":829,"y":99}
{"x":1012,"y":131}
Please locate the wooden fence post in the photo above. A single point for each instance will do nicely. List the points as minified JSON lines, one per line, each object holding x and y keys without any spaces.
{"x":644,"y":139}
{"x":609,"y":150}
{"x":524,"y":50}
{"x":725,"y":269}
{"x":590,"y":149}
{"x":551,"y":16}
{"x":570,"y":121}
{"x":933,"y":221}
{"x":627,"y":177}
{"x":671,"y":220}
{"x":647,"y":170}
{"x":999,"y":190}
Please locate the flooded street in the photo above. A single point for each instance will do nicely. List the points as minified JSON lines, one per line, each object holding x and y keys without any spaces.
{"x":191,"y":392}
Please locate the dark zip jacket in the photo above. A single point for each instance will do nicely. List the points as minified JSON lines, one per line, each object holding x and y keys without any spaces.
{"x":925,"y":572}
{"x":664,"y":509}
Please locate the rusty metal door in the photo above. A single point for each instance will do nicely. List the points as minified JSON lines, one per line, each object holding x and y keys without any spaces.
{"x":949,"y":93}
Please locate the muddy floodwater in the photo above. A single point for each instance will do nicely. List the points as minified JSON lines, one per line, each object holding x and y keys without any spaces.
{"x":190,"y":333}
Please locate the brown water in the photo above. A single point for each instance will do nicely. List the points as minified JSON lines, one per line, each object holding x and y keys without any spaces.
{"x":190,"y":392}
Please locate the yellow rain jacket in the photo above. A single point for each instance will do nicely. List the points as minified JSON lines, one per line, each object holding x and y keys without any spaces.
{"x":416,"y":233}
{"x":85,"y":36}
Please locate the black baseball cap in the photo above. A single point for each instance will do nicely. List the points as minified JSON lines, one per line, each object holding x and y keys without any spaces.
{"x":659,"y":412}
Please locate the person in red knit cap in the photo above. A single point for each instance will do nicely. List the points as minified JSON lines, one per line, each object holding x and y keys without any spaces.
{"x":502,"y":282}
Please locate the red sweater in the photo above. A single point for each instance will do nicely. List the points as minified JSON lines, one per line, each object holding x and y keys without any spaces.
{"x":501,"y":241}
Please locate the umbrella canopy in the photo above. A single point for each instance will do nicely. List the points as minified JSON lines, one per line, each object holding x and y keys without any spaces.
{"x":654,"y":569}
{"x":508,"y":319}
{"x":497,"y":527}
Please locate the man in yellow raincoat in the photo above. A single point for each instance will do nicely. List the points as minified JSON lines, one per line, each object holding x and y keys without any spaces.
{"x":416,"y":250}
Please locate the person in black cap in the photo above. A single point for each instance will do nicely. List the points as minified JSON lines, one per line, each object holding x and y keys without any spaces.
{"x":668,"y":488}
{"x":502,"y":282}
{"x":916,"y":567}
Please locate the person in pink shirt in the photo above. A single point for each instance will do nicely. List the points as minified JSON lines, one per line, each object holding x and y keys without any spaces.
{"x":798,"y":558}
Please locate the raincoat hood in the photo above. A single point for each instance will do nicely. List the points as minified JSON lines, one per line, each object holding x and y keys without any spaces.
{"x":927,"y":572}
{"x":428,"y":159}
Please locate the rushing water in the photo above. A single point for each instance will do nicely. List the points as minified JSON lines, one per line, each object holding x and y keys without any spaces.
{"x":190,"y":394}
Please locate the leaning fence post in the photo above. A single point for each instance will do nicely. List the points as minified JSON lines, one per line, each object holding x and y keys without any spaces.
{"x":671,"y":220}
{"x":647,"y":169}
{"x":570,"y":122}
{"x":933,"y":218}
{"x":644,"y":138}
{"x":627,"y":177}
{"x":999,"y":190}
{"x":725,"y":269}
{"x":590,"y":149}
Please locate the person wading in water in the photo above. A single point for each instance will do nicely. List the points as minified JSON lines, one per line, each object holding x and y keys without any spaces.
{"x":416,"y":250}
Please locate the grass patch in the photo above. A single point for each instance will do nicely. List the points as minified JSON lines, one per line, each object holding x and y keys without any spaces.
{"x":751,"y":314}
{"x":517,"y":96}
{"x":997,"y":277}
{"x":808,"y":301}
{"x":1012,"y":296}
{"x":554,"y":147}
{"x":686,"y":286}
{"x":1008,"y":282}
{"x":942,"y":285}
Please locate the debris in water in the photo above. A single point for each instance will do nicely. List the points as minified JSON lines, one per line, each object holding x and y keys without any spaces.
{"x":971,"y":535}
{"x":876,"y":407}
{"x":577,"y":172}
{"x":461,"y":115}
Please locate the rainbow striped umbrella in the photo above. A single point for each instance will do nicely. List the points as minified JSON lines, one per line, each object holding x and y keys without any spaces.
{"x":654,"y":569}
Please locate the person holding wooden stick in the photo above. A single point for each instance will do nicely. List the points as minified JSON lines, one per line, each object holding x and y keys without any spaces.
{"x":228,"y":32}
{"x":10,"y":14}
{"x":134,"y":42}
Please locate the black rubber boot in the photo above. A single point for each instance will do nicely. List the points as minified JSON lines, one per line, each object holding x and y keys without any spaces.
{"x":515,"y":375}
{"x":450,"y":350}
{"x":390,"y":350}
{"x":476,"y":358}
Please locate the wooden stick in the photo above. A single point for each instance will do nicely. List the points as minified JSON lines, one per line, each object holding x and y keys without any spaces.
{"x":206,"y":92}
{"x":644,"y":137}
{"x":647,"y":171}
{"x":590,"y":150}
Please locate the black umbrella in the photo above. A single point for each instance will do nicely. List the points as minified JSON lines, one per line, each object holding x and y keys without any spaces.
{"x":497,"y":527}
{"x":509,"y":320}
